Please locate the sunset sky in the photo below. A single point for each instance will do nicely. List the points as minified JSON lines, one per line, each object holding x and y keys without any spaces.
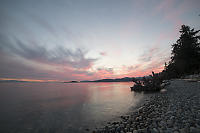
{"x":89,"y":39}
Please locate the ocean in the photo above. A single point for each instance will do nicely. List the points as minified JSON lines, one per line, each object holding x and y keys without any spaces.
{"x":63,"y":107}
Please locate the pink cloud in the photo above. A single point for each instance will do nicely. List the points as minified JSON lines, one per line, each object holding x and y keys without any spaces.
{"x":103,"y":53}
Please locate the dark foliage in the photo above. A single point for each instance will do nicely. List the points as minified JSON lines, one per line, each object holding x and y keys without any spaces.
{"x":148,"y":84}
{"x":185,"y":57}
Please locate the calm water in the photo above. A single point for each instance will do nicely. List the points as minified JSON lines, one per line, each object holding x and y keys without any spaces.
{"x":62,"y":108}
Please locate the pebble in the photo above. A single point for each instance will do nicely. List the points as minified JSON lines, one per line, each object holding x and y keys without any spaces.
{"x":194,"y":130}
{"x":135,"y":131}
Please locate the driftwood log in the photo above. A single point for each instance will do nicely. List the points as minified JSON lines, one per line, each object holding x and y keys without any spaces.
{"x":148,"y":84}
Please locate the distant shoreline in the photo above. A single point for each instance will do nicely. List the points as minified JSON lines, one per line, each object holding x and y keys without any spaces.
{"x":5,"y":81}
{"x":125,"y":79}
{"x":98,"y":82}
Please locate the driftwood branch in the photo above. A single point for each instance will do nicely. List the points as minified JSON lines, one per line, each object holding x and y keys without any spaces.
{"x":150,"y":83}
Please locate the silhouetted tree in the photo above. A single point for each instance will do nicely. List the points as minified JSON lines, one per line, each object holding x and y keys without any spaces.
{"x":185,"y":57}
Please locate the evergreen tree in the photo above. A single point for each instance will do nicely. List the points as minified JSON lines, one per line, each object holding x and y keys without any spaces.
{"x":185,"y":57}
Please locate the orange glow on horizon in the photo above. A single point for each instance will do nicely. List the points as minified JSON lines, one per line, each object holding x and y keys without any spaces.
{"x":101,"y":74}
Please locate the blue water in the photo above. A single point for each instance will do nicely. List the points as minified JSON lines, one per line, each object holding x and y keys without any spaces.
{"x":62,"y":107}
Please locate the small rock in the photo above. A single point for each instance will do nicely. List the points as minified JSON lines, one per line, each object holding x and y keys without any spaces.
{"x":143,"y":130}
{"x":170,"y":123}
{"x":182,"y":130}
{"x":87,"y":129}
{"x":135,"y":131}
{"x":154,"y":130}
{"x":131,"y":129}
{"x":194,"y":130}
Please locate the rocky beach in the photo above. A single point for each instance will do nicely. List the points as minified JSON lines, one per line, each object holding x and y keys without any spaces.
{"x":175,"y":110}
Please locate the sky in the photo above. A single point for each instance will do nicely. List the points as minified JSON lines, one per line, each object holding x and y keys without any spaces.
{"x":63,"y":40}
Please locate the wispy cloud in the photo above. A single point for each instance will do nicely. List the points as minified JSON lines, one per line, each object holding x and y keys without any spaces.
{"x":104,"y":72}
{"x":148,"y":55}
{"x":43,"y":23}
{"x":151,"y":60}
{"x":58,"y":55}
{"x":69,"y":61}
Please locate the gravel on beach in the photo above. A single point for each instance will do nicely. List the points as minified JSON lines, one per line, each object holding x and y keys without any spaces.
{"x":175,"y":111}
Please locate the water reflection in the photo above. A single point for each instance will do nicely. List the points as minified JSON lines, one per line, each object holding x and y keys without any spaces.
{"x":58,"y":107}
